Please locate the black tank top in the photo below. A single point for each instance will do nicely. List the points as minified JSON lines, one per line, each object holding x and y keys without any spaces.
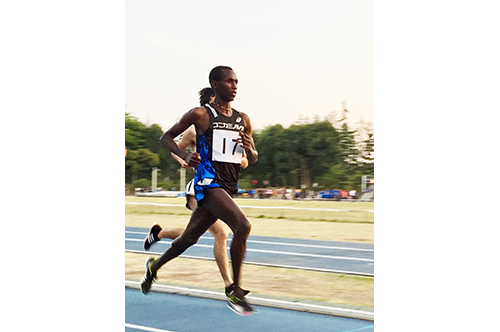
{"x":218,"y":146}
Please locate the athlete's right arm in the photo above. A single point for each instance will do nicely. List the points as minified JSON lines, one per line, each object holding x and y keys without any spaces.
{"x":188,"y":139}
{"x":194,"y":116}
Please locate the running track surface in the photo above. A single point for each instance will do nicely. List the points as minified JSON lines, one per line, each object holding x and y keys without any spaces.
{"x":161,"y":312}
{"x":325,"y":256}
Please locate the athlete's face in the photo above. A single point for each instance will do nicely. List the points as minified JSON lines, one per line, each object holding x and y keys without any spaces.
{"x":227,"y":86}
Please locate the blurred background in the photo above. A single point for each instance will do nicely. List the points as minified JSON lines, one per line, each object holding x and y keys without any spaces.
{"x":305,"y":74}
{"x":318,"y":159}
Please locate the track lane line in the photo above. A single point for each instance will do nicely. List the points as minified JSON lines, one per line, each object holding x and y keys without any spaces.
{"x":144,"y":328}
{"x":296,"y":267}
{"x":277,"y":252}
{"x":280,"y":243}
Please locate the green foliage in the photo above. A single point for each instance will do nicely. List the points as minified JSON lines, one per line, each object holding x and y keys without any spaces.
{"x":297,"y":155}
{"x":134,"y":129}
{"x":332,"y":155}
{"x":144,"y":151}
{"x":138,"y":163}
{"x":245,"y":183}
{"x":142,"y":183}
{"x":168,"y":184}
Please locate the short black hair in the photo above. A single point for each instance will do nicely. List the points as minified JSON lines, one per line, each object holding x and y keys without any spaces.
{"x":216,"y":74}
{"x":205,"y":95}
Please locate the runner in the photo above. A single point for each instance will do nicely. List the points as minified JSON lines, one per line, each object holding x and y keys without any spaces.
{"x":222,"y":135}
{"x":219,"y":229}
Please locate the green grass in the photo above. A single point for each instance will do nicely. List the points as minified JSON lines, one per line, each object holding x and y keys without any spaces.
{"x":355,"y":212}
{"x":350,"y":226}
{"x":304,"y":224}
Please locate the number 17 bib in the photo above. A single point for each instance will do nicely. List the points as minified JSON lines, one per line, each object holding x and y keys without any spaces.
{"x":225,"y":148}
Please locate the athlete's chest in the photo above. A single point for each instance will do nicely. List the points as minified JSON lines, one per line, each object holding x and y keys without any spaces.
{"x":225,"y":138}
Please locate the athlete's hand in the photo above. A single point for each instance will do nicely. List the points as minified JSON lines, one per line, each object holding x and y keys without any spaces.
{"x":246,"y":140}
{"x":192,"y":159}
{"x":179,"y":160}
{"x":248,"y":144}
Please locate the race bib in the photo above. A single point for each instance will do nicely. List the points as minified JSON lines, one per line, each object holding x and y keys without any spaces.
{"x":224,"y":146}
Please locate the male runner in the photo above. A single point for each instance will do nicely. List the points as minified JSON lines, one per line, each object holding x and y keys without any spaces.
{"x":222,"y":134}
{"x":219,"y":229}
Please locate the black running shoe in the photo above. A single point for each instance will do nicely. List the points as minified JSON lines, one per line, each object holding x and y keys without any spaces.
{"x":239,"y":305}
{"x":149,"y":277}
{"x":152,"y":236}
{"x":231,"y":288}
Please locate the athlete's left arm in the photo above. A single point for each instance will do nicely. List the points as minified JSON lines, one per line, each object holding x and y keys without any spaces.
{"x":247,"y":140}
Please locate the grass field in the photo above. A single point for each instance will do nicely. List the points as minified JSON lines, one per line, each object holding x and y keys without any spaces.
{"x":351,"y":212}
{"x":351,"y":226}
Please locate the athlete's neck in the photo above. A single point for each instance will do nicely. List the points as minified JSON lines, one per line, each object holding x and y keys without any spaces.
{"x":223,"y":106}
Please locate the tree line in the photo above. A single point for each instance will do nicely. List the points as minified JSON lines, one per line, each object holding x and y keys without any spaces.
{"x":315,"y":154}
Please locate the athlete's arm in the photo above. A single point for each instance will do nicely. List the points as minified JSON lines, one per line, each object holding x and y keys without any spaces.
{"x":244,"y":160}
{"x":247,"y":140}
{"x":188,"y":139}
{"x":196,"y":116}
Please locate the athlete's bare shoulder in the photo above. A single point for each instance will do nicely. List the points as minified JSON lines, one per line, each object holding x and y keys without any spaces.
{"x":246,"y":118}
{"x":199,"y":117}
{"x":199,"y":111}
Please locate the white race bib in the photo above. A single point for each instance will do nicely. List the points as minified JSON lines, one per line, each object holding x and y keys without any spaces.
{"x":224,"y":146}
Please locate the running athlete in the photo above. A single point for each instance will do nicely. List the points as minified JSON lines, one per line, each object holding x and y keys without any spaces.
{"x":222,"y":135}
{"x":219,"y":229}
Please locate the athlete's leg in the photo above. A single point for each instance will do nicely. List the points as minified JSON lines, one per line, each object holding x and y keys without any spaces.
{"x":218,"y":201}
{"x":173,"y":233}
{"x":200,"y":221}
{"x":191,"y":202}
{"x":220,"y":232}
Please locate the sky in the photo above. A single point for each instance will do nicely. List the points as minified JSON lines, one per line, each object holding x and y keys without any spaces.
{"x":294,"y":59}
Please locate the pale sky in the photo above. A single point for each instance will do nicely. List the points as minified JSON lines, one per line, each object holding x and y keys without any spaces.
{"x":293,"y":58}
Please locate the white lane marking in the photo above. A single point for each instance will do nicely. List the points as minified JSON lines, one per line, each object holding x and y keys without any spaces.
{"x":144,"y":328}
{"x":281,"y":243}
{"x":279,"y":252}
{"x":262,"y":207}
{"x":297,"y":267}
{"x":309,"y":245}
{"x":257,"y":300}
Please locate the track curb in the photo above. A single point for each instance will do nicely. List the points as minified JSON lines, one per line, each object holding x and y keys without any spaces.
{"x":281,"y":303}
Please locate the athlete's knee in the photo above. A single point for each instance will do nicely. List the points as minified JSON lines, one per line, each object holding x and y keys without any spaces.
{"x":220,"y":232}
{"x":243,"y":228}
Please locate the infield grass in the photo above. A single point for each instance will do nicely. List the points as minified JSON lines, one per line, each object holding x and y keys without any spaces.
{"x":350,"y":226}
{"x":270,"y":209}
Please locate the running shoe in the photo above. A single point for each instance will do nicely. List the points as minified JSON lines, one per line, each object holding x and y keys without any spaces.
{"x":149,"y":277}
{"x":152,"y":236}
{"x":239,"y":305}
{"x":231,"y":288}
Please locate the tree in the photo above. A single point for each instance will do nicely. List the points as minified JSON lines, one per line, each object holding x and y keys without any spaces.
{"x":326,"y":152}
{"x":138,"y":164}
{"x":134,"y":132}
{"x":296,"y":155}
{"x":348,"y":149}
{"x":139,"y":139}
{"x":273,"y":165}
{"x":366,"y":145}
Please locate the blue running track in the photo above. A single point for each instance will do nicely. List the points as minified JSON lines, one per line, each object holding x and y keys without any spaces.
{"x":161,"y":312}
{"x":325,"y":256}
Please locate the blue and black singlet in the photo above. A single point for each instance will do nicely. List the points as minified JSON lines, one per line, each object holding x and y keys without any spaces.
{"x":220,"y":154}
